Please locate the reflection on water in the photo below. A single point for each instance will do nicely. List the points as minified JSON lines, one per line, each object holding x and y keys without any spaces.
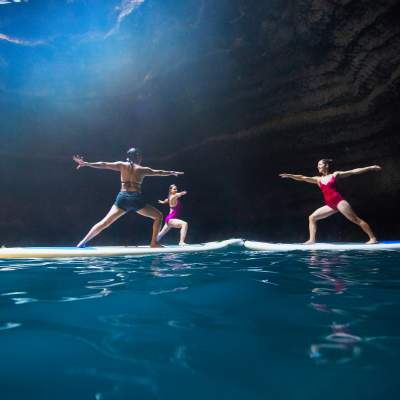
{"x":338,"y":282}
{"x":340,"y":346}
{"x":9,"y":325}
{"x":200,"y":325}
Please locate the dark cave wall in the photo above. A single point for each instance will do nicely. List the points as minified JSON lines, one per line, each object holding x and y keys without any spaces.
{"x":271,"y":87}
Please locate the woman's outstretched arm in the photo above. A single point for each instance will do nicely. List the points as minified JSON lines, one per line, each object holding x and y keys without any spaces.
{"x":356,"y":171}
{"x":146,"y":171}
{"x":165,"y":201}
{"x":115,"y":166}
{"x":302,"y":178}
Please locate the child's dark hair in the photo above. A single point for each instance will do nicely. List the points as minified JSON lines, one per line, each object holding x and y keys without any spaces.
{"x":134,"y":155}
{"x":170,"y":187}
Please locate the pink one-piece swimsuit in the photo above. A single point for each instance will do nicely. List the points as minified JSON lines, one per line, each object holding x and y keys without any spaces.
{"x":175,"y":211}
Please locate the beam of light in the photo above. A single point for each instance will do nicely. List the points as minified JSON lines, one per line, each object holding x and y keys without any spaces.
{"x":126,"y":8}
{"x":20,"y":41}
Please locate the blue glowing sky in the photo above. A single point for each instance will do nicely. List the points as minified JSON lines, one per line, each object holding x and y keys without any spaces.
{"x":91,"y":67}
{"x":50,"y":48}
{"x":84,"y":48}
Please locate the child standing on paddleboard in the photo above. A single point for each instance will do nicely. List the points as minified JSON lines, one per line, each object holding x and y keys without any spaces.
{"x":172,"y":220}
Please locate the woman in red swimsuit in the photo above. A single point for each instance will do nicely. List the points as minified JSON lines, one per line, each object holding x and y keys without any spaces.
{"x":333,"y":200}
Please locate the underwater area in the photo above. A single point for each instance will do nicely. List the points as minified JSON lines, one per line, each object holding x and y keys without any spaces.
{"x":231,"y":324}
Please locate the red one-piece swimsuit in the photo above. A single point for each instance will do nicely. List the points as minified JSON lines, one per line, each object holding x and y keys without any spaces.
{"x":331,"y":196}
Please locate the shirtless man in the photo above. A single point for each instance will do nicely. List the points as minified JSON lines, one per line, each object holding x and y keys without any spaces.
{"x":130,"y":198}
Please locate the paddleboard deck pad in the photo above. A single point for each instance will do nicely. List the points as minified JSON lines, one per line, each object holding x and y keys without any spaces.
{"x":264,"y":246}
{"x":111,"y":251}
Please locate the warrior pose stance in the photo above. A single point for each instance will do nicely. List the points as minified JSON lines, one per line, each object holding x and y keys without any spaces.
{"x":172,"y":220}
{"x":333,"y":200}
{"x":130,"y":197}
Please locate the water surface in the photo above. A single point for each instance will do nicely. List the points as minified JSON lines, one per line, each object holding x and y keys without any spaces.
{"x":222,"y":325}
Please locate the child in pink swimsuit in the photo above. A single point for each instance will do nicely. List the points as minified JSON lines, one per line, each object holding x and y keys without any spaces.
{"x":173,"y":218}
{"x":175,"y":211}
{"x":334,"y":202}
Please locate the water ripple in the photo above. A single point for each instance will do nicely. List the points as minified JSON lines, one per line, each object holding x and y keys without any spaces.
{"x":9,"y":325}
{"x":201,"y":313}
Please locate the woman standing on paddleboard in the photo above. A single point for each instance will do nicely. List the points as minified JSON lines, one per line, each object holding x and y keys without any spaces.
{"x":333,"y":200}
{"x":172,"y":220}
{"x":130,"y":198}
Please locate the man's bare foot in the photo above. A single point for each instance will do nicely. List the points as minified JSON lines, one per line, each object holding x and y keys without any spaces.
{"x":372,"y":241}
{"x":182,"y":244}
{"x":155,"y":245}
{"x":309,"y":242}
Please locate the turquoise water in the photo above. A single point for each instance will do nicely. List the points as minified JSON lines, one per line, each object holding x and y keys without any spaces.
{"x":223,"y":325}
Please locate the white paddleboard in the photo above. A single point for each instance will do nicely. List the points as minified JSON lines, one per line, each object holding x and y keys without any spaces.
{"x":111,"y":251}
{"x":264,"y":246}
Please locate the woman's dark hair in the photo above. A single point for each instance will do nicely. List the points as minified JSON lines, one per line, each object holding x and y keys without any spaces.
{"x":134,"y":155}
{"x":328,"y":162}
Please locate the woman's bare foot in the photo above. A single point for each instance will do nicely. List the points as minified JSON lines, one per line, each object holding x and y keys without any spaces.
{"x":182,"y":244}
{"x":372,"y":241}
{"x":155,"y":245}
{"x":309,"y":242}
